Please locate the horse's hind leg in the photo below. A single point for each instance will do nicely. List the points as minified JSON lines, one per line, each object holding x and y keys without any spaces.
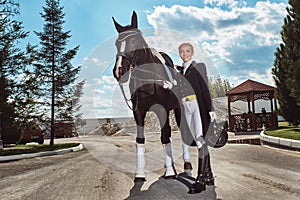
{"x":140,"y":174}
{"x":163,"y":117}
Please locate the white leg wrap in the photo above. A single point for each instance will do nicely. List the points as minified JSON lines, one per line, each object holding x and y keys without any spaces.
{"x":168,"y":154}
{"x":140,"y":161}
{"x":168,"y":160}
{"x":170,"y":171}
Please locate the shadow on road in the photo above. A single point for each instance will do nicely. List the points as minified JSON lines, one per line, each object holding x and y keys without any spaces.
{"x":170,"y":189}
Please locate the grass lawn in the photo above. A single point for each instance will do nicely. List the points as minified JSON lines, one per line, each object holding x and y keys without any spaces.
{"x":285,"y":131}
{"x":32,"y":148}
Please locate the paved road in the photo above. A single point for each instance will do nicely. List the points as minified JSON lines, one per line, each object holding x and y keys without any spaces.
{"x":105,"y":171}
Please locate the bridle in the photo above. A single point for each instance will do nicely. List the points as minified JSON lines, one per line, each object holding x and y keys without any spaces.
{"x":132,"y":62}
{"x":122,"y":38}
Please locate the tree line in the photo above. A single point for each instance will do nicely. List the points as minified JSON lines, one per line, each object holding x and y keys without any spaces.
{"x":218,"y":87}
{"x":37,"y":82}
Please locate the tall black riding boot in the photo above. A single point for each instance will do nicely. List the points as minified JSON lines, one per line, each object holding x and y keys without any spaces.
{"x":209,"y":177}
{"x":199,"y":185}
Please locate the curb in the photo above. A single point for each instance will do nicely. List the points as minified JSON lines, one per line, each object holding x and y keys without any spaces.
{"x":279,"y":142}
{"x":47,"y":153}
{"x":234,"y":138}
{"x":254,"y":141}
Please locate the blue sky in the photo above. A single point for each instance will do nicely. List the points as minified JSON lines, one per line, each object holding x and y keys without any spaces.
{"x":236,"y":39}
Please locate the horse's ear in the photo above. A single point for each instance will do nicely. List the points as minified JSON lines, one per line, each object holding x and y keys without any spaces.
{"x":117,"y":26}
{"x":134,"y":20}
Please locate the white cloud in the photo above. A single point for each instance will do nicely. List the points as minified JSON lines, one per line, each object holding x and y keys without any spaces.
{"x":98,"y":62}
{"x":234,"y":39}
{"x":265,"y":77}
{"x":102,"y":98}
{"x":230,"y":3}
{"x":99,"y":92}
{"x":108,"y":80}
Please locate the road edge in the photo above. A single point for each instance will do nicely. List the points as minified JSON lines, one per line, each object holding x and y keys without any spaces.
{"x":279,"y":142}
{"x":46,"y":153}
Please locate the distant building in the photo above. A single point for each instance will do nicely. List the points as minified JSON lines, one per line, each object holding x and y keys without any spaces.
{"x":92,"y":124}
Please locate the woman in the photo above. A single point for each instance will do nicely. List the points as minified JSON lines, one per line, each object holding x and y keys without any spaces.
{"x":197,"y":109}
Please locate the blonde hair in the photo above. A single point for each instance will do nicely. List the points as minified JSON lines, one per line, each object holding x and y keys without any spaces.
{"x":186,"y":43}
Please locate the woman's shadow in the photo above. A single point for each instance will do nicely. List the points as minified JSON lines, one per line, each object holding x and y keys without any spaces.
{"x":171,"y":189}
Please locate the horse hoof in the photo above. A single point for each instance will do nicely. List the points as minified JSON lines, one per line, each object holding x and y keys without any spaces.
{"x":137,"y":179}
{"x":169,"y":177}
{"x":140,"y":175}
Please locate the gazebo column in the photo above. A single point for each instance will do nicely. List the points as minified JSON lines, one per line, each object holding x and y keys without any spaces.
{"x":272,"y":110}
{"x":231,"y":122}
{"x":249,"y":107}
{"x":252,"y":100}
{"x":275,"y":116}
{"x":253,"y":121}
{"x":275,"y":103}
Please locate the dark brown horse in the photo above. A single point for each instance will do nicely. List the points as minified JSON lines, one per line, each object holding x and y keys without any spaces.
{"x":146,"y":71}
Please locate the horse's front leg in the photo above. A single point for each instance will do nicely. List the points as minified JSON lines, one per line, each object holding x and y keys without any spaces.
{"x":140,"y":174}
{"x":163,"y":117}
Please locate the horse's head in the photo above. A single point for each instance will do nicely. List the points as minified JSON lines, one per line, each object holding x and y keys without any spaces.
{"x":129,"y":41}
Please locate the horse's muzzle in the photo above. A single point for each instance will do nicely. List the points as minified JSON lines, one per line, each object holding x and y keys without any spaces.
{"x":122,"y":71}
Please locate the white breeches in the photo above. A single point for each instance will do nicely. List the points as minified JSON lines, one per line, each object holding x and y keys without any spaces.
{"x":193,"y":119}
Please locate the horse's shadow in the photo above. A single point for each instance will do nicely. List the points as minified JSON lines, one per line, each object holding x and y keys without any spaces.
{"x":171,"y":189}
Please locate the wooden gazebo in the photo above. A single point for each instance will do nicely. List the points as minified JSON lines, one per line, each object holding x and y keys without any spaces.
{"x":249,"y":91}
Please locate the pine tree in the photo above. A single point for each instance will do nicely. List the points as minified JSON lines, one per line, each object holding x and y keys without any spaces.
{"x":27,"y":92}
{"x":78,"y":92}
{"x":286,"y":66}
{"x":218,"y":87}
{"x":292,"y":38}
{"x":55,"y":71}
{"x":13,"y":62}
{"x":227,"y":86}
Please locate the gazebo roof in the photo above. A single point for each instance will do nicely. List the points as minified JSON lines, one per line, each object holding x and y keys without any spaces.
{"x":250,"y":86}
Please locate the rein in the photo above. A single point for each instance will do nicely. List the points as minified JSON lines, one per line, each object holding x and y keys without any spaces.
{"x":126,"y":99}
{"x":144,"y":80}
